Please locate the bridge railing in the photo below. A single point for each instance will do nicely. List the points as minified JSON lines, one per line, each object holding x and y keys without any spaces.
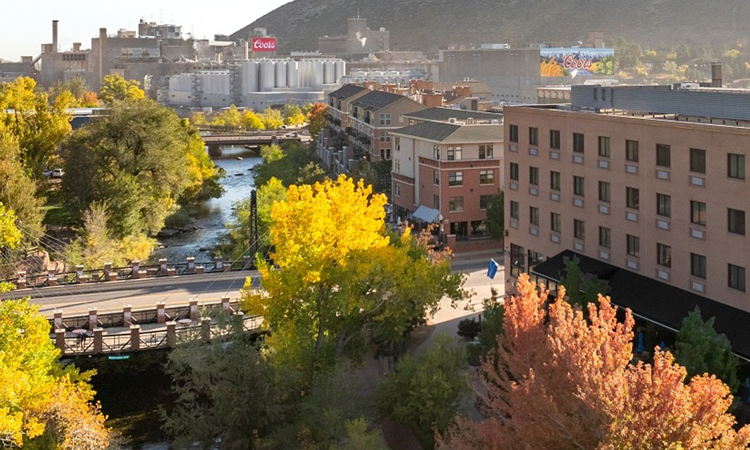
{"x":131,"y":272}
{"x":138,"y":340}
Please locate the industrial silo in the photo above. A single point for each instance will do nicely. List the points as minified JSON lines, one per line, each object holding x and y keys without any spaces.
{"x":329,"y":70}
{"x":250,"y":77}
{"x":281,"y":74}
{"x":340,"y":70}
{"x":267,"y":76}
{"x":318,"y":75}
{"x":292,"y":74}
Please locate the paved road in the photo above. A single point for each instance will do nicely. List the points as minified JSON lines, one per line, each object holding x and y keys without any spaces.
{"x":111,"y":296}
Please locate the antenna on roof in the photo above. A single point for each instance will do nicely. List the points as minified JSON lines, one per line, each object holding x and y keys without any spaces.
{"x":357,"y":13}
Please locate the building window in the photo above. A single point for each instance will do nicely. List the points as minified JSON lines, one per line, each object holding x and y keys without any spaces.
{"x":634,"y":245}
{"x":736,"y":166}
{"x":534,"y":176}
{"x":554,"y":139}
{"x":631,"y":150}
{"x":663,"y":155}
{"x":385,"y":136}
{"x":514,"y":212}
{"x":398,"y":144}
{"x":385,"y":153}
{"x":517,"y":266}
{"x":535,"y":258}
{"x":513,"y":133}
{"x":698,"y":266}
{"x":632,"y":197}
{"x":484,"y":202}
{"x":579,"y":229}
{"x":578,"y":142}
{"x":697,"y":160}
{"x":436,"y":201}
{"x":455,"y":178}
{"x":455,"y":204}
{"x":604,"y":191}
{"x":554,"y":180}
{"x":398,"y":189}
{"x":737,"y":277}
{"x":486,"y":151}
{"x":534,"y":215}
{"x":663,"y":255}
{"x":436,"y":177}
{"x":736,"y":219}
{"x":604,"y":146}
{"x":384,"y":119}
{"x":486,"y":177}
{"x":698,"y":213}
{"x":436,"y":152}
{"x":664,"y":205}
{"x":533,"y":136}
{"x":578,"y":186}
{"x":605,"y":237}
{"x":555,"y":222}
{"x":397,"y":165}
{"x":514,"y":171}
{"x":454,"y":153}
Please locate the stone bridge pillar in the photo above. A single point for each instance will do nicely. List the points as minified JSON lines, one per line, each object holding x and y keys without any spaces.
{"x":161,"y":315}
{"x":51,"y":276}
{"x":206,"y":329}
{"x":194,"y":309}
{"x":225,"y":305}
{"x":127,"y":315}
{"x":135,"y":337}
{"x":136,"y":269}
{"x":247,"y":262}
{"x":93,"y":320}
{"x":109,"y":274}
{"x":163,"y":266}
{"x":58,"y":319}
{"x":218,"y":264}
{"x":21,"y":283}
{"x":98,"y":340}
{"x":171,"y":334}
{"x":80,"y":277}
{"x":190,"y":264}
{"x":60,"y":340}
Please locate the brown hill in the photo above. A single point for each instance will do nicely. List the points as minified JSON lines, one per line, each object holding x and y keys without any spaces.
{"x":425,"y":24}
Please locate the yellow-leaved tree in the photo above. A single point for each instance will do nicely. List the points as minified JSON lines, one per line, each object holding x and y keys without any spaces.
{"x":341,"y":281}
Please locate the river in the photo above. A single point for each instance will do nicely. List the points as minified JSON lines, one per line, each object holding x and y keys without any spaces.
{"x":213,"y":215}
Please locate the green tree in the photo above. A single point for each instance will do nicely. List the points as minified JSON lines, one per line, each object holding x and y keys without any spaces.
{"x":289,"y":163}
{"x":225,"y":395}
{"x":316,"y":119}
{"x":492,"y":323}
{"x":292,"y":115}
{"x":198,"y":119}
{"x":251,"y":121}
{"x":202,"y":175}
{"x":76,"y":86}
{"x":425,"y":392}
{"x":38,"y":128}
{"x":703,"y":351}
{"x":230,"y":117}
{"x":358,"y":437}
{"x":581,"y":288}
{"x":19,"y":191}
{"x":116,"y":88}
{"x":271,"y":119}
{"x":135,"y":160}
{"x":496,"y":216}
{"x":310,"y":174}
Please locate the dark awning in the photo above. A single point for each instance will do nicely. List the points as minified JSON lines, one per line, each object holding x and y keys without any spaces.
{"x":655,"y":301}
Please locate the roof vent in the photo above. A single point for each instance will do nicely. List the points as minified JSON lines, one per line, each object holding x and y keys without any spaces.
{"x":469,"y":121}
{"x":495,"y":122}
{"x":452,"y":120}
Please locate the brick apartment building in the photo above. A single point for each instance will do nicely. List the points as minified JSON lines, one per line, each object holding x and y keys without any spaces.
{"x":446,"y":168}
{"x":653,"y":203}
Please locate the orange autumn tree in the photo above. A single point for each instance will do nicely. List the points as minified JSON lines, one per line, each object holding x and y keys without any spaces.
{"x":562,"y":379}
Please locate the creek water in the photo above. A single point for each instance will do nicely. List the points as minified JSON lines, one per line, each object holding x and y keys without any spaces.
{"x":211,"y":217}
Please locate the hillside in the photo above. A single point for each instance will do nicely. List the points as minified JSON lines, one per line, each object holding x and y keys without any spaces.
{"x":425,"y":24}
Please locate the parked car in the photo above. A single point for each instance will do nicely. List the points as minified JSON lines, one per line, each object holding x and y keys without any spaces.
{"x":56,"y":173}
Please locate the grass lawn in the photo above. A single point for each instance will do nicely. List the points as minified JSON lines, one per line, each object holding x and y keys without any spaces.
{"x":55,"y":212}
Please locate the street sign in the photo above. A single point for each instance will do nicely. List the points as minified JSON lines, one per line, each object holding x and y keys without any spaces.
{"x":118,"y":357}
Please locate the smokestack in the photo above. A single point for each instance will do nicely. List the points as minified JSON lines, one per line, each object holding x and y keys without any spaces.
{"x":102,"y":43}
{"x":716,"y":80}
{"x":54,"y":35}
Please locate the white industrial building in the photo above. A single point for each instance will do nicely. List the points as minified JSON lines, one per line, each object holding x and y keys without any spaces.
{"x":256,"y":84}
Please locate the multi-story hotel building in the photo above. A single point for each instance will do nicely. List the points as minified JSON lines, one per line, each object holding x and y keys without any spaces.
{"x":647,"y":186}
{"x":447,"y":168}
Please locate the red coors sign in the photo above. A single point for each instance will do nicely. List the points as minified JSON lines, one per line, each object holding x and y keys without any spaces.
{"x":263,"y":44}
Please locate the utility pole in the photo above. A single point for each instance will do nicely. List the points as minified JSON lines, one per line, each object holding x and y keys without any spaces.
{"x":254,"y":222}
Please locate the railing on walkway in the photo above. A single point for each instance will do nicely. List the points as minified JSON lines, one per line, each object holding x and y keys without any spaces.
{"x":137,"y":340}
{"x":159,"y":314}
{"x":136,"y":270}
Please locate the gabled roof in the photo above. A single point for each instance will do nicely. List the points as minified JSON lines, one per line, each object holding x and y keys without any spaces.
{"x":656,"y":301}
{"x":377,"y":100}
{"x":448,"y":133}
{"x":346,"y":91}
{"x":444,"y":114}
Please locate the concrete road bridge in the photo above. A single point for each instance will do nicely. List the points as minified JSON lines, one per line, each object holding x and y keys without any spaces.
{"x":214,"y":142}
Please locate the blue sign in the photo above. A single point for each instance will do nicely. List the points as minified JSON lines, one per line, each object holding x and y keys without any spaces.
{"x":492,"y":269}
{"x":118,"y":357}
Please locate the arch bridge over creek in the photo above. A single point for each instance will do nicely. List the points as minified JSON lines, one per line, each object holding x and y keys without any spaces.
{"x":252,"y":140}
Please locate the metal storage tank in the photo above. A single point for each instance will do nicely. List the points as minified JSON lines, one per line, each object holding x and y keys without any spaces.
{"x":292,"y":74}
{"x":306,"y":74}
{"x":318,"y":75}
{"x":250,"y":77}
{"x":329,"y":70}
{"x":267,"y":76}
{"x":340,"y":70}
{"x":280,"y":74}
